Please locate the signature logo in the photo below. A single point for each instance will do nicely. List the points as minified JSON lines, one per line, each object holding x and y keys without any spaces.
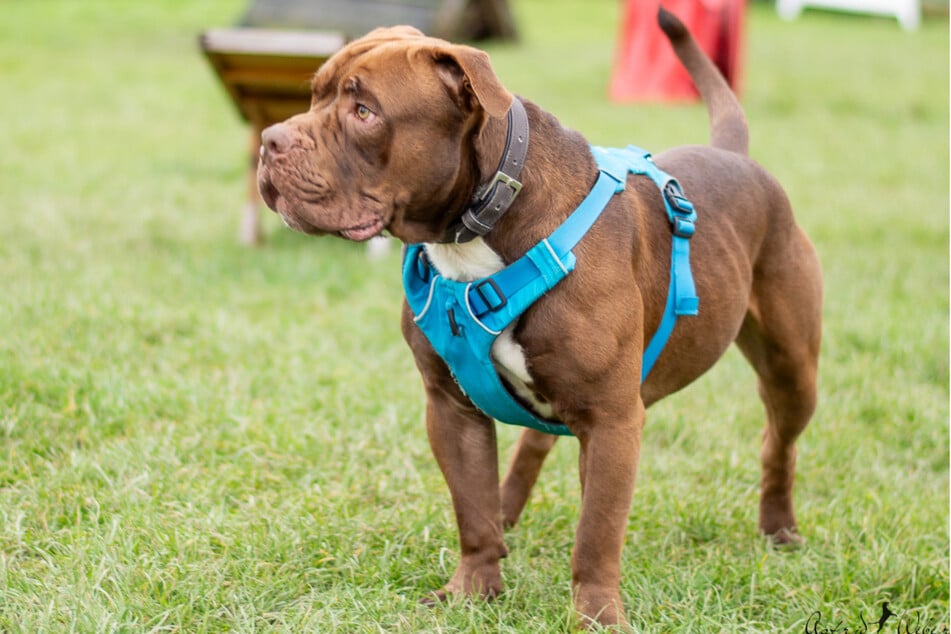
{"x":889,"y":621}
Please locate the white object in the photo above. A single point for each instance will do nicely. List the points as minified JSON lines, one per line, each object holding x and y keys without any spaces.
{"x":377,"y":247}
{"x":907,"y":12}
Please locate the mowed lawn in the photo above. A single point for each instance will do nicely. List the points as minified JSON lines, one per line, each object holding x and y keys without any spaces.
{"x":201,"y":437}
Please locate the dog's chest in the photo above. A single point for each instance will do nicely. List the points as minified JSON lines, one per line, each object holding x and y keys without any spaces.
{"x":471,"y":261}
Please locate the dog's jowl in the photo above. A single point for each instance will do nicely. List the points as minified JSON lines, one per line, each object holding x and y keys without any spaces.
{"x":554,"y":285}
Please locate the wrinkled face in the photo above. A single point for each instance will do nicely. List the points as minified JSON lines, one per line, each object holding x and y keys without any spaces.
{"x":388,"y":142}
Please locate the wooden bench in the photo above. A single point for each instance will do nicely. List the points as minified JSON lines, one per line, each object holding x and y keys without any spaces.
{"x":267,"y":74}
{"x":266,"y":63}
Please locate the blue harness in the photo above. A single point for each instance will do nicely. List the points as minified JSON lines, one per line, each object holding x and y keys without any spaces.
{"x":463,"y":319}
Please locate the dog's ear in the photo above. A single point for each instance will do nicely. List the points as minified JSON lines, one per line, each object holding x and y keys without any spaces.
{"x":392,"y":33}
{"x":468,"y":75}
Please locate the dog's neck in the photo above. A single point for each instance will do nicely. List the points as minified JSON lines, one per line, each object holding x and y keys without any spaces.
{"x":559,"y":160}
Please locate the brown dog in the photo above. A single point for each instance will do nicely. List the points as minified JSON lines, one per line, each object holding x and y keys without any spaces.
{"x":401,"y":132}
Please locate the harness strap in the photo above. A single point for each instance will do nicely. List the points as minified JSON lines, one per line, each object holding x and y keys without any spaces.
{"x":682,"y":294}
{"x":463,"y":319}
{"x":551,"y":258}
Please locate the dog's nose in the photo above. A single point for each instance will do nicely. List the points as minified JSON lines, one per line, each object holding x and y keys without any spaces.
{"x":276,"y":139}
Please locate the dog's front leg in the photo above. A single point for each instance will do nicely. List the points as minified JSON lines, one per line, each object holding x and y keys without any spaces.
{"x":464,"y":443}
{"x":610,"y":448}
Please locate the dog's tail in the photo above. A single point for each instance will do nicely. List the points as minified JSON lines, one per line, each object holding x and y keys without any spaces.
{"x":728,"y":128}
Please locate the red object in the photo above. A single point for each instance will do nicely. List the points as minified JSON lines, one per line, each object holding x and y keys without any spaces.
{"x":645,"y":66}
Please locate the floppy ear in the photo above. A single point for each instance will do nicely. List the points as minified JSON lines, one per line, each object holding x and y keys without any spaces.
{"x":469,"y":77}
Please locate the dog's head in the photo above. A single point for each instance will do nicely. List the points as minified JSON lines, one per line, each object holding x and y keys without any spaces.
{"x":388,"y":142}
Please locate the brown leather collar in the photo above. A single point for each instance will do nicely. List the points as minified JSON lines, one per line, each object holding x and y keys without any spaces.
{"x":493,"y":198}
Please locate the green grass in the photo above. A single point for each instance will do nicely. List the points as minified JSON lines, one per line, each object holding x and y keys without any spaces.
{"x":199,"y":437}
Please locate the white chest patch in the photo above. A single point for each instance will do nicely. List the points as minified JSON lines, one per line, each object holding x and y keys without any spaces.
{"x":471,"y":261}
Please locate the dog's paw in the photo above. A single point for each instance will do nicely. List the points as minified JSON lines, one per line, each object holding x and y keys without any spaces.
{"x":482,"y":583}
{"x":786,"y":538}
{"x":434,"y":598}
{"x":601,"y":610}
{"x":444,"y":595}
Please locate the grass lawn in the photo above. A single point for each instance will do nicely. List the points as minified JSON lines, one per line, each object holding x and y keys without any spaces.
{"x":200,"y":437}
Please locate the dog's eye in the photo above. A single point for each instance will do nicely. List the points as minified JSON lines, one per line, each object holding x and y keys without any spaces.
{"x":363,"y":113}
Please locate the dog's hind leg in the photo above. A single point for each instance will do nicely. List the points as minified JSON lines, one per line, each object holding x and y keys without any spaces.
{"x":530,"y":452}
{"x":780,"y":337}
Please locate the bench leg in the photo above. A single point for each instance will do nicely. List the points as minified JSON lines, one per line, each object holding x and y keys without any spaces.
{"x":251,"y":221}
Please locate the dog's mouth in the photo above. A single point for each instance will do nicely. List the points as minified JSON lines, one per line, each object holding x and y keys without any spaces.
{"x":294,"y":216}
{"x":365,"y":231}
{"x":268,"y":192}
{"x":311,"y":210}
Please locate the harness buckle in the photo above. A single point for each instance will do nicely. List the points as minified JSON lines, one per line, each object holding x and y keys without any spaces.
{"x":492,"y":304}
{"x":683,"y":227}
{"x":676,"y":198}
{"x":682,"y":210}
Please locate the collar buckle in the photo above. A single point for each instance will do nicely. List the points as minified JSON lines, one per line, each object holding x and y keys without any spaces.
{"x":493,"y":198}
{"x":502,"y":177}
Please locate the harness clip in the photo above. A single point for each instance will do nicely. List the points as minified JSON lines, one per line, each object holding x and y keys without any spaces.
{"x":676,"y":199}
{"x":492,"y":304}
{"x":682,"y":210}
{"x":683,"y":227}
